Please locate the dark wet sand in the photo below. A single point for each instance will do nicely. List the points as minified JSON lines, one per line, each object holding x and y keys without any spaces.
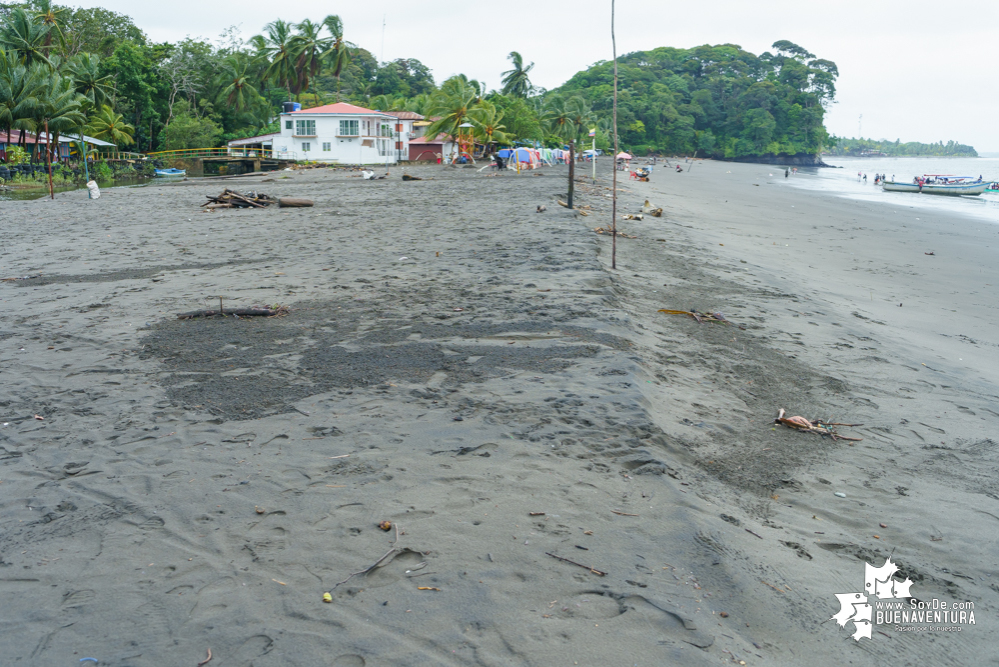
{"x":473,"y":372}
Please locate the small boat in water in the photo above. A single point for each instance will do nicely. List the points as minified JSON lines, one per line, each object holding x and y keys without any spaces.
{"x":171,"y":172}
{"x":940,"y":184}
{"x":993,"y":189}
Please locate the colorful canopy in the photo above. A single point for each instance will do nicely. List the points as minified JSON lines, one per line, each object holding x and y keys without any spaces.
{"x":623,"y":156}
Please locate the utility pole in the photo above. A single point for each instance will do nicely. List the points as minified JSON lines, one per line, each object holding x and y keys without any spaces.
{"x":572,"y":168}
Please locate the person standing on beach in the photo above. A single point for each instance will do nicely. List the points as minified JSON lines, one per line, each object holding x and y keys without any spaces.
{"x":787,"y":172}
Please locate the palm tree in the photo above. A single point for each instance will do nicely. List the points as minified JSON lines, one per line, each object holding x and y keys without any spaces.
{"x":308,"y":47}
{"x":580,"y":116}
{"x":452,"y":103}
{"x":85,"y":70}
{"x":277,"y":47}
{"x":26,"y":37}
{"x":111,"y":126}
{"x":557,"y":118}
{"x":19,"y":90}
{"x":338,"y":53}
{"x":486,"y":118}
{"x":236,"y":83}
{"x":515,"y":81}
{"x":52,"y":18}
{"x":59,"y":110}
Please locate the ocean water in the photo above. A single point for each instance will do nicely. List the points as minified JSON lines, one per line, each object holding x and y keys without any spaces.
{"x":846,"y":183}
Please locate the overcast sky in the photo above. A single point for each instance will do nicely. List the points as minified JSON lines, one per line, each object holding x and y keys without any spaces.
{"x":917,"y":70}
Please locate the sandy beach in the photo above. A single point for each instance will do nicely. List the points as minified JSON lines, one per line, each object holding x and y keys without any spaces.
{"x":572,"y":478}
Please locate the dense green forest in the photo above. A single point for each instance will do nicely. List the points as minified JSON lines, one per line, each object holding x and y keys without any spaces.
{"x":95,"y":71}
{"x":719,"y":100}
{"x":857,"y":147}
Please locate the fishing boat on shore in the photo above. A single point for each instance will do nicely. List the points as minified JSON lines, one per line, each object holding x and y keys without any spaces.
{"x":171,"y":172}
{"x":940,"y":184}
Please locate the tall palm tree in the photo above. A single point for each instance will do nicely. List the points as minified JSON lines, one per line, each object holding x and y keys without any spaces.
{"x":277,"y":47}
{"x":516,"y":81}
{"x":85,"y":69}
{"x":111,"y":126}
{"x":308,"y":47}
{"x":20,"y":87}
{"x":26,"y":37}
{"x":53,"y":18}
{"x":486,"y":118}
{"x":580,"y":116}
{"x":59,"y":110}
{"x":236,"y":83}
{"x":557,"y":118}
{"x":338,"y":54}
{"x":452,"y":103}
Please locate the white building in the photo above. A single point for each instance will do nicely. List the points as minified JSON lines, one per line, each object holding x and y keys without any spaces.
{"x":346,"y":134}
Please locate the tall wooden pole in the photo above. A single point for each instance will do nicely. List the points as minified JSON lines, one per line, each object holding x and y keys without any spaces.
{"x":572,"y":169}
{"x":614,"y":161}
{"x":48,"y":154}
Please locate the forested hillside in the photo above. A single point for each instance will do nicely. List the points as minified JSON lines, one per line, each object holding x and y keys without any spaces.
{"x":858,"y":147}
{"x":721,"y":101}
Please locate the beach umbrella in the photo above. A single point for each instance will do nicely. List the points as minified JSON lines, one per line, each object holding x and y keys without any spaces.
{"x":623,"y":156}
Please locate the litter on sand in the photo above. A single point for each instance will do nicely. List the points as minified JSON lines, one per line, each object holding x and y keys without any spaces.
{"x":700,"y":317}
{"x":651,"y":210}
{"x":604,"y":230}
{"x":816,"y":426}
{"x":232,"y":199}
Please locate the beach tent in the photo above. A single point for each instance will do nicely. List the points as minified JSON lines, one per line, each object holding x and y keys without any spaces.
{"x":623,"y":156}
{"x":524,"y":156}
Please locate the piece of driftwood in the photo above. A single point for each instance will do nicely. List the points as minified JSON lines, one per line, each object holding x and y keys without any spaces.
{"x":232,"y":199}
{"x":816,"y":426}
{"x":239,"y":312}
{"x":407,"y":177}
{"x":294,"y":202}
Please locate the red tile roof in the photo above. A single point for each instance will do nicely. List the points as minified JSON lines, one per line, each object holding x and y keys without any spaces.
{"x":339,"y":107}
{"x":404,"y":115}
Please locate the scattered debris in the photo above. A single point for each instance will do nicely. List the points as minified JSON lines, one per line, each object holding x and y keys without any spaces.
{"x":203,"y":662}
{"x":752,"y":533}
{"x":385,"y":525}
{"x":427,"y":588}
{"x":572,"y":562}
{"x":407,"y":177}
{"x":929,"y":253}
{"x":232,"y":199}
{"x":630,"y":216}
{"x":604,"y":230}
{"x":10,"y":280}
{"x":535,"y":514}
{"x":651,"y":210}
{"x":267,"y":311}
{"x":327,"y":597}
{"x":700,"y":317}
{"x":542,"y":208}
{"x":840,"y":494}
{"x":620,"y":513}
{"x":817,"y":426}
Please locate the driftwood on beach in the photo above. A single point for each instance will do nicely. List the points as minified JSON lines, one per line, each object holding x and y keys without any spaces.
{"x":239,"y":312}
{"x":232,"y":199}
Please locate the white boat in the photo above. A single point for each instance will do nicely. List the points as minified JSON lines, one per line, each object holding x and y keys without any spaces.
{"x":938,"y":184}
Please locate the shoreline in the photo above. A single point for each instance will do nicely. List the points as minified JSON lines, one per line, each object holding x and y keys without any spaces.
{"x":472,"y":371}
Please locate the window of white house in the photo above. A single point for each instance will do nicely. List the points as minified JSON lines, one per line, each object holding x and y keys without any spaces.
{"x":350,"y":128}
{"x":386,"y":130}
{"x":326,"y":147}
{"x":288,"y":125}
{"x":305,"y":128}
{"x":306,"y":147}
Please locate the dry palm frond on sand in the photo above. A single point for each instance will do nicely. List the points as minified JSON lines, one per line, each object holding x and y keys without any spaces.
{"x":816,"y":426}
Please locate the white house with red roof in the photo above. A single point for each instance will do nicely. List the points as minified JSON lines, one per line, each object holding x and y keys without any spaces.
{"x":343,"y":133}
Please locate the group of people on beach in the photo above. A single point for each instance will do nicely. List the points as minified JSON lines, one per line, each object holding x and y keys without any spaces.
{"x":878,"y":178}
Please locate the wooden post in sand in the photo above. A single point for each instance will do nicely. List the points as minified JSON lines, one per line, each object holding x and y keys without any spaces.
{"x":572,"y":169}
{"x":48,"y":155}
{"x":614,"y":161}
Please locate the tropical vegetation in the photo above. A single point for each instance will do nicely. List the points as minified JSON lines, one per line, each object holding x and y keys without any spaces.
{"x":93,"y":71}
{"x":859,"y":147}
